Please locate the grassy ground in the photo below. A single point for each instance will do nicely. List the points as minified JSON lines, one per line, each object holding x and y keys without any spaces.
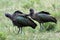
{"x":7,"y":30}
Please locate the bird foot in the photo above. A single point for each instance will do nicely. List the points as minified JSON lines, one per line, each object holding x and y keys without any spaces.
{"x":42,"y":29}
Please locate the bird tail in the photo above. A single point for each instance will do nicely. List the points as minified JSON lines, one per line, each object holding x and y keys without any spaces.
{"x":34,"y":25}
{"x":43,"y":12}
{"x":55,"y":20}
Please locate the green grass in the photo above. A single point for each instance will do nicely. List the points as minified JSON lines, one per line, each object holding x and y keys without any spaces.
{"x":8,"y":30}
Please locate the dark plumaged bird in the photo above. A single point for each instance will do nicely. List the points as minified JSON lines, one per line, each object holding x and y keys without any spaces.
{"x":21,"y":20}
{"x":42,"y":18}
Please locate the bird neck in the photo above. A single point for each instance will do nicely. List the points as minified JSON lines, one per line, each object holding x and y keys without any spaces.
{"x":31,"y":14}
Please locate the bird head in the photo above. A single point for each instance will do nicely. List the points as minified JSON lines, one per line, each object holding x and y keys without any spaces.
{"x":31,"y":11}
{"x":8,"y":15}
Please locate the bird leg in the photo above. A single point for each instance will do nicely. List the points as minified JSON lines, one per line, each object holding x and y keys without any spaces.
{"x":41,"y":27}
{"x":21,"y":29}
{"x":18,"y":31}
